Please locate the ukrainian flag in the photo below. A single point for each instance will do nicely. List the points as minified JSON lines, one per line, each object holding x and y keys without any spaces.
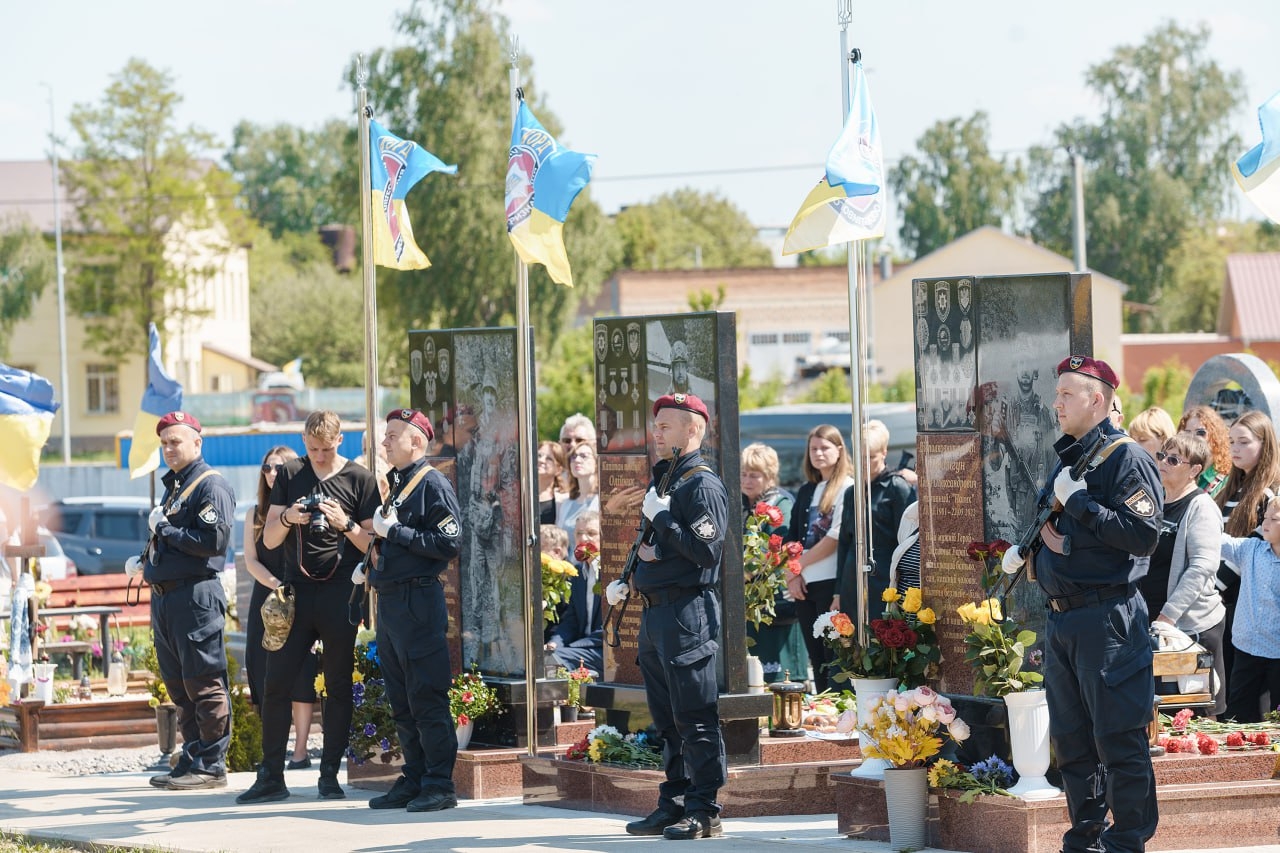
{"x":26,"y":416}
{"x":1258,"y":171}
{"x":543,"y":179}
{"x":395,"y":165}
{"x":163,"y":395}
{"x":849,"y":202}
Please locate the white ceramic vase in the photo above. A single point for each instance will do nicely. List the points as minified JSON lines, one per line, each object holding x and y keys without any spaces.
{"x":1029,"y":736}
{"x":755,"y":675}
{"x":464,"y":733}
{"x":906,"y":797}
{"x":865,"y":689}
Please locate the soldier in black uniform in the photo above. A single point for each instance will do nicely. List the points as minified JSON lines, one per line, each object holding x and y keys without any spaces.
{"x":1098,"y":670}
{"x":676,"y":580}
{"x":418,"y":534}
{"x":189,"y":534}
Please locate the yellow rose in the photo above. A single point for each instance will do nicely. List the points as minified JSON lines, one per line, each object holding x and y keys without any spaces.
{"x":926,"y":616}
{"x":991,"y":608}
{"x":966,"y":611}
{"x":889,"y":596}
{"x":319,"y":685}
{"x":911,"y":603}
{"x":357,"y":676}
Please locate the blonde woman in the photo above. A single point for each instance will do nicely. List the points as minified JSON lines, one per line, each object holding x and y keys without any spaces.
{"x":1151,"y":428}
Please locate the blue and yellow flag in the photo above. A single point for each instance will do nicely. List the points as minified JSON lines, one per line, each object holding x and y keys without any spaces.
{"x":543,"y":179}
{"x":1258,"y":171}
{"x":849,"y":202}
{"x":26,"y":416}
{"x":395,"y":165}
{"x":163,"y":395}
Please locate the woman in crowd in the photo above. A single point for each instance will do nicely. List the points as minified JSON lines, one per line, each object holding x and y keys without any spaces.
{"x":1208,"y":424}
{"x":1254,"y":479}
{"x":1180,"y":586}
{"x":584,"y":487}
{"x":904,"y":565}
{"x":1151,"y":428}
{"x":550,"y":476}
{"x":264,"y":564}
{"x":815,"y":523}
{"x":780,"y":645}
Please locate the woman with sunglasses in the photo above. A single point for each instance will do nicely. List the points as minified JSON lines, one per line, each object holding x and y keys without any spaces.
{"x":1204,"y":422}
{"x":264,"y":564}
{"x":1180,"y":585}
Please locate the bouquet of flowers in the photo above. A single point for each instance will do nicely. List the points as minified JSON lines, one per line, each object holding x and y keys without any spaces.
{"x":996,"y":647}
{"x":555,"y":586}
{"x":373,"y":731}
{"x":574,"y":679}
{"x":764,"y":559}
{"x":991,"y":777}
{"x":904,"y":728}
{"x":606,"y":745}
{"x":903,"y":645}
{"x":470,"y":698}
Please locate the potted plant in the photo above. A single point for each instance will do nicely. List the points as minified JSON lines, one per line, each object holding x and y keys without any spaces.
{"x":166,"y":711}
{"x":471,"y":699}
{"x":574,"y":680}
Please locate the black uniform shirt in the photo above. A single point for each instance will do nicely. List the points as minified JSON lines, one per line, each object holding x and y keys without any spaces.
{"x":689,"y":539}
{"x":428,"y":533}
{"x":192,"y":541}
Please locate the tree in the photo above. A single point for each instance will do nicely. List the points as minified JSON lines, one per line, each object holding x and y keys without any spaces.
{"x":1153,"y":163}
{"x":295,"y":179}
{"x":26,"y":266}
{"x":564,"y":385}
{"x":687,"y":228}
{"x":446,"y":88}
{"x":955,"y":184}
{"x":138,"y":185}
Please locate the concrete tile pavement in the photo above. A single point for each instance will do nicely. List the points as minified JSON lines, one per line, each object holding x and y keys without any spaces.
{"x":122,"y":809}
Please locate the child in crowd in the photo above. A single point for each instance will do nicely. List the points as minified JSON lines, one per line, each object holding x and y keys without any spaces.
{"x":1256,"y":668}
{"x":578,"y":638}
{"x":554,"y":541}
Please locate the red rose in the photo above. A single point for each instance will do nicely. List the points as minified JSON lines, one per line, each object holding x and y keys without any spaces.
{"x":893,"y":637}
{"x":762,"y":508}
{"x":1235,"y":739}
{"x":585,"y":552}
{"x":794,"y":549}
{"x":773,"y":514}
{"x":775,"y":543}
{"x":998,"y":547}
{"x":793,"y":566}
{"x":977,"y":551}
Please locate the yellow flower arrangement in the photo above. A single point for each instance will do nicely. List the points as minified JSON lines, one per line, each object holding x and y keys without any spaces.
{"x":905,"y":728}
{"x":556,"y":575}
{"x":997,"y":649}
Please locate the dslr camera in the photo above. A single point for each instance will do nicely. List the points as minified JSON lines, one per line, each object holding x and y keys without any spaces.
{"x":318,"y":525}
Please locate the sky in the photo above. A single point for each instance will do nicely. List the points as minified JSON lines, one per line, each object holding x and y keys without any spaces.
{"x":740,"y":98}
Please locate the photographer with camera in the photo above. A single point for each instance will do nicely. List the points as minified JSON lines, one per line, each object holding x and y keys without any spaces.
{"x":322,"y":506}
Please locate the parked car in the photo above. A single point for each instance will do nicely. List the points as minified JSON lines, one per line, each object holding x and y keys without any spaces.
{"x":831,"y":353}
{"x":99,"y":533}
{"x":786,"y":429}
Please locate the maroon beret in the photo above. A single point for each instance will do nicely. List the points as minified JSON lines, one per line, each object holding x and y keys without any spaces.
{"x":1086,"y":366}
{"x":415,"y":418}
{"x":178,"y":419}
{"x":687,"y":402}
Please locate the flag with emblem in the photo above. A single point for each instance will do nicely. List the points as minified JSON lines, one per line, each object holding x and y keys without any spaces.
{"x":26,"y":417}
{"x":163,"y":395}
{"x":849,"y":202}
{"x":1258,"y":171}
{"x":543,"y":179}
{"x":395,"y":165}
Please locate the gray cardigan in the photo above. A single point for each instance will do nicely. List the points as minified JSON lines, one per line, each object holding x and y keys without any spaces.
{"x":1194,"y":603}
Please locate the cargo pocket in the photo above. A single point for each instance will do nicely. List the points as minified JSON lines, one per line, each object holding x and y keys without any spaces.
{"x":691,"y":667}
{"x":203,"y":653}
{"x":1125,"y":695}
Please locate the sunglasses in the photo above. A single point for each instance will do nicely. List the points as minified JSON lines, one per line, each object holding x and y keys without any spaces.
{"x":1202,"y":433}
{"x":1171,"y":459}
{"x":267,"y":467}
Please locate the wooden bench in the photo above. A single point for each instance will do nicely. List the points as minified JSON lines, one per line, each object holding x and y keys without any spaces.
{"x":75,"y":649}
{"x":110,"y":590}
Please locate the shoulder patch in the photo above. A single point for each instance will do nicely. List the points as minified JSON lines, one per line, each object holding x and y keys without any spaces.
{"x":1141,"y":503}
{"x":704,"y":528}
{"x":208,"y":514}
{"x":449,"y":526}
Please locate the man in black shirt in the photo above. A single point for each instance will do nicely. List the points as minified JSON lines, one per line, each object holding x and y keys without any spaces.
{"x":322,"y":508}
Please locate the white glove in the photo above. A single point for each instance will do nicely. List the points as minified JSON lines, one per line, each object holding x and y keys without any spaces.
{"x":133,"y":567}
{"x":157,"y":516}
{"x":615,"y":593}
{"x":1064,"y":487}
{"x":654,"y":504}
{"x":1012,"y":560}
{"x":357,"y":575}
{"x":382,"y":524}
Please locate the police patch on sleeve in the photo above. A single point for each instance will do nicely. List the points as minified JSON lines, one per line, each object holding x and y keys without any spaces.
{"x":448,"y":526}
{"x":1141,"y":503}
{"x":208,"y":514}
{"x":704,"y":528}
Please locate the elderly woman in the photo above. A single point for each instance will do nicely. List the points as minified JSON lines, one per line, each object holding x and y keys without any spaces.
{"x":780,"y":645}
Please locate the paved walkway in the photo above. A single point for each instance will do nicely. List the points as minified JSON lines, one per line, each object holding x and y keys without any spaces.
{"x":122,"y":809}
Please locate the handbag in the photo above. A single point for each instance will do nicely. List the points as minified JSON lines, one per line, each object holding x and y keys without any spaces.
{"x":277,"y":617}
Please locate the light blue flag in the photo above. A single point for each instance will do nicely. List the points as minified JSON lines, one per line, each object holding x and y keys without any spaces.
{"x":855,"y":162}
{"x":1258,"y":171}
{"x":163,"y":395}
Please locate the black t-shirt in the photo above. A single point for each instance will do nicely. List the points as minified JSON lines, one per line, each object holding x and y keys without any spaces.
{"x":1155,"y":586}
{"x":329,"y":555}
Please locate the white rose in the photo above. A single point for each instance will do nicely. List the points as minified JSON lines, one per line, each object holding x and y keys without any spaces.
{"x":959,"y":730}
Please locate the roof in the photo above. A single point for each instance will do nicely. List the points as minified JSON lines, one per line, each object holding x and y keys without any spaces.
{"x":1250,"y":306}
{"x":247,"y":360}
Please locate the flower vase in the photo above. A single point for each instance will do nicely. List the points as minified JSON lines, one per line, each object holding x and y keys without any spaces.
{"x":464,"y":733}
{"x":568,"y":713}
{"x":1029,"y":735}
{"x":755,"y":675}
{"x":906,"y":795}
{"x":167,"y":727}
{"x":865,"y":689}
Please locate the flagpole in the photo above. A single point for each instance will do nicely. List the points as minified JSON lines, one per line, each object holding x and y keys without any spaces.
{"x":528,"y":483}
{"x":857,"y":338}
{"x":370,"y":296}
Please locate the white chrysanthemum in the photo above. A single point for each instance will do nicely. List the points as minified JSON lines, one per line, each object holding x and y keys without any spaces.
{"x":822,"y":628}
{"x":603,"y":730}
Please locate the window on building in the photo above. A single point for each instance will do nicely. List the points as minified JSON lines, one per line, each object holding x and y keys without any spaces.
{"x":841,"y":335}
{"x":795,"y":337}
{"x":760,"y":339}
{"x":104,"y":389}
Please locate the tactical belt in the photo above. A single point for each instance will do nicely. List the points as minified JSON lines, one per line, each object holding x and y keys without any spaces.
{"x":165,"y":587}
{"x":668,"y":594}
{"x":407,"y":583}
{"x":1088,"y":598}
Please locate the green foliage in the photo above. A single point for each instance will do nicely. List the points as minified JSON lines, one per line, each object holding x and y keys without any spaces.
{"x":754,"y":395}
{"x":902,"y":389}
{"x":955,"y":184}
{"x":705,"y":300}
{"x":1165,"y":386}
{"x":564,"y":381}
{"x":245,"y":750}
{"x":830,"y":387}
{"x":1153,"y":163}
{"x":26,"y":266}
{"x":142,"y":189}
{"x":148,"y":661}
{"x":682,"y":228}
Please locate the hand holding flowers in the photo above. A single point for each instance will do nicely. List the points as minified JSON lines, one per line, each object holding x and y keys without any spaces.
{"x":766,"y":561}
